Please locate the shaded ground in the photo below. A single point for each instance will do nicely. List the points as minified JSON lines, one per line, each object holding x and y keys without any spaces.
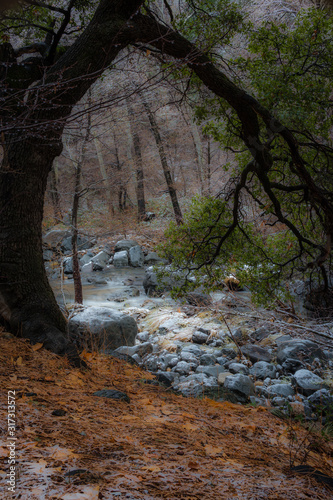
{"x":158,"y":446}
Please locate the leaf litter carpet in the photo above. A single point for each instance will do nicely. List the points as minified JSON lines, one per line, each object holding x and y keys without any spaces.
{"x":157,"y":446}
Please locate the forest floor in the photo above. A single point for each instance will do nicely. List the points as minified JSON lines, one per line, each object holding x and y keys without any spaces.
{"x":157,"y":446}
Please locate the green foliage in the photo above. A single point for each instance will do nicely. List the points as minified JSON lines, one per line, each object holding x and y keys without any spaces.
{"x":256,"y":260}
{"x":290,"y":71}
{"x":210,"y":24}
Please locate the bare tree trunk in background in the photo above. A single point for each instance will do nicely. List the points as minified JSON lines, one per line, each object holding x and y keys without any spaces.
{"x":55,"y":193}
{"x":198,"y":155}
{"x":122,"y":190}
{"x":140,"y":188}
{"x":166,"y":170}
{"x":209,"y":167}
{"x":104,"y":177}
{"x":78,"y":295}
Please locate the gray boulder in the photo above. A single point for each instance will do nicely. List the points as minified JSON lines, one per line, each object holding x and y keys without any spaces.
{"x":262,"y":370}
{"x":189,"y":357}
{"x":152,"y":258}
{"x":120,"y":259}
{"x":86,"y":258}
{"x":183,"y":368}
{"x":102,"y":328}
{"x":299,"y":349}
{"x":322,"y":401}
{"x":207,"y":359}
{"x":283,"y":390}
{"x":124,"y":245}
{"x":68,"y":265}
{"x":256,"y":353}
{"x":87,"y":268}
{"x":141,"y":349}
{"x":198,"y":384}
{"x":82,"y":243}
{"x":200,"y":337}
{"x":238,"y":368}
{"x":100,"y":260}
{"x":136,"y":257}
{"x":193,"y":348}
{"x":240,"y":385}
{"x":53,"y":238}
{"x":211,"y":371}
{"x":307,"y":382}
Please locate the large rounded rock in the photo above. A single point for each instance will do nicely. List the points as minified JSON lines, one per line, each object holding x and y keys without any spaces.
{"x":256,"y":353}
{"x":262,"y":370}
{"x":136,"y":256}
{"x":124,"y":245}
{"x":82,"y":243}
{"x":120,"y":259}
{"x":299,"y":349}
{"x":54,"y":238}
{"x":283,"y":390}
{"x":100,"y":260}
{"x":240,"y":385}
{"x":102,"y":328}
{"x":307,"y":382}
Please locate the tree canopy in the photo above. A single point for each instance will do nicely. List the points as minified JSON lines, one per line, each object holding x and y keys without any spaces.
{"x":51,"y":54}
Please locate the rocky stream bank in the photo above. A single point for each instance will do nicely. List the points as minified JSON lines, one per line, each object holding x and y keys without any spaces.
{"x":218,"y":346}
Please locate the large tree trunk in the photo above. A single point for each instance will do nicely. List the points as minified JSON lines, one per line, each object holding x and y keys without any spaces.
{"x":27,"y":302}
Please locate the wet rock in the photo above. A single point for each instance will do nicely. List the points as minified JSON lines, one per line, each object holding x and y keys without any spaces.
{"x":193,"y":348}
{"x":136,"y":256}
{"x":240,"y":385}
{"x":53,"y":238}
{"x":198,"y":299}
{"x":83,"y":243}
{"x":207,"y":359}
{"x":262,"y":333}
{"x":166,"y":378}
{"x":211,"y":371}
{"x":262,"y":369}
{"x":284,"y":390}
{"x":200,"y":337}
{"x":222,"y":360}
{"x":111,"y":394}
{"x":229,"y":352}
{"x":238,"y":368}
{"x":307,"y":382}
{"x":123,"y":357}
{"x":142,"y":336}
{"x":299,"y":349}
{"x":124,"y":245}
{"x":67,"y":265}
{"x":141,"y":349}
{"x":183,"y":368}
{"x":290,"y":365}
{"x":189,"y":357}
{"x":222,"y":376}
{"x":85,"y":259}
{"x":100,"y":261}
{"x":152,"y":259}
{"x":197,"y":384}
{"x":120,"y":259}
{"x":102,"y":328}
{"x":87,"y":268}
{"x":322,"y":401}
{"x":256,"y":353}
{"x":150,"y":283}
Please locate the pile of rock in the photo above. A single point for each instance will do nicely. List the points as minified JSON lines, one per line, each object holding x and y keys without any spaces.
{"x":289,"y":375}
{"x":58,"y":244}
